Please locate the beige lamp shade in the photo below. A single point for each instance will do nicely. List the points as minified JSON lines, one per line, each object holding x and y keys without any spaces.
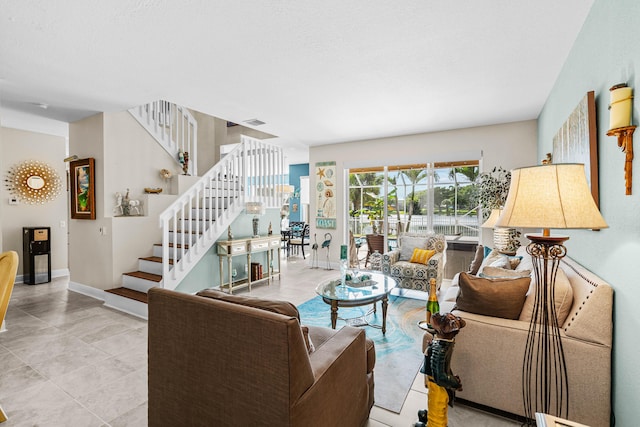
{"x":493,"y":218}
{"x":550,"y":196}
{"x":256,"y":208}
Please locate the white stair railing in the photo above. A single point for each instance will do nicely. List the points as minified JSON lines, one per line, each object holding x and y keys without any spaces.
{"x":253,"y":171}
{"x":173,"y":127}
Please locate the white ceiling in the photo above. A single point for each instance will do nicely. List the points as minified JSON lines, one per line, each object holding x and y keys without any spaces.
{"x":317,"y":72}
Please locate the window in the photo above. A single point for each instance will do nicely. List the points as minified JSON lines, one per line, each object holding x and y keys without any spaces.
{"x":414,"y":198}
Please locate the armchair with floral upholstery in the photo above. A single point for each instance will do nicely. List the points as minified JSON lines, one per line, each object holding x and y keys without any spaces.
{"x":416,"y":275}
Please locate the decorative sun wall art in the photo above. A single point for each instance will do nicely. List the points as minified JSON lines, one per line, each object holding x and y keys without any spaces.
{"x":33,"y":182}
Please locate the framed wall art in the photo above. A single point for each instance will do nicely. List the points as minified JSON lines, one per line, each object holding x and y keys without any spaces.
{"x":82,"y":189}
{"x":577,"y":141}
{"x":326,"y":195}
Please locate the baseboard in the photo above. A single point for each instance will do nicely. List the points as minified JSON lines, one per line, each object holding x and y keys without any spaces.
{"x":87,"y":290}
{"x":63,"y":272}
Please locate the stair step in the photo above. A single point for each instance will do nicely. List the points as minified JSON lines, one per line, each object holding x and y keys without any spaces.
{"x":155,"y":259}
{"x":129,"y":293}
{"x":146,"y":276}
{"x":173,"y":245}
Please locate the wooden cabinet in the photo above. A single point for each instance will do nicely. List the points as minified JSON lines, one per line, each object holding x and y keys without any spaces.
{"x":227,"y":249}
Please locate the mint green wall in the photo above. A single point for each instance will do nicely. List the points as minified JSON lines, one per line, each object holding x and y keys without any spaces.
{"x":206,"y":274}
{"x":607,"y":52}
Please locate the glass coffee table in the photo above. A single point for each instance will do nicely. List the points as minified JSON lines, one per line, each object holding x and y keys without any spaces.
{"x":368,"y":287}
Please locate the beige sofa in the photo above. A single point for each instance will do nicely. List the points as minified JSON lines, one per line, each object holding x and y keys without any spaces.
{"x":489,"y":351}
{"x":226,"y":360}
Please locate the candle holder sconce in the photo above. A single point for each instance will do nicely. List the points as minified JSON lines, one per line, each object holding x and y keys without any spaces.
{"x":621,"y":127}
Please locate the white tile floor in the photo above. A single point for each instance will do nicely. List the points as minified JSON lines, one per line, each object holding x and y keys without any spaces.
{"x":66,"y":360}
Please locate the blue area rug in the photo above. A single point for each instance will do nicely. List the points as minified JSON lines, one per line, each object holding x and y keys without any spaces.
{"x":398,"y":352}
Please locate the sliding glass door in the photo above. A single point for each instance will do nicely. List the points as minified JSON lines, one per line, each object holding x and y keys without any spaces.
{"x":420,"y":198}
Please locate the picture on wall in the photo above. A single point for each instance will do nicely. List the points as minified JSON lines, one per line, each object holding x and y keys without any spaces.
{"x":82,"y":189}
{"x":326,"y":207}
{"x":576,"y":141}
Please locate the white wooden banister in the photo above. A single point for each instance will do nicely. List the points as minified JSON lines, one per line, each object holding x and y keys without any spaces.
{"x":173,"y":127}
{"x":253,"y":171}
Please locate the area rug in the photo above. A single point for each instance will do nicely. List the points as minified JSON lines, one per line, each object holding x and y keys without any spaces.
{"x":398,"y":352}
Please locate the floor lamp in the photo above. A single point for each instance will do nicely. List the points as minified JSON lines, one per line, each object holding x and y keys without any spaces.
{"x":549,"y":196}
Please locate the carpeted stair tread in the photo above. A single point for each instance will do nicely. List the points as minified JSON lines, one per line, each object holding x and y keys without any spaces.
{"x":155,"y":259}
{"x":146,"y":276}
{"x":129,"y":293}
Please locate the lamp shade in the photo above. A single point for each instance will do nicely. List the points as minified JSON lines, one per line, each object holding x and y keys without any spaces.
{"x":493,"y":218}
{"x":550,"y":196}
{"x":255,"y":208}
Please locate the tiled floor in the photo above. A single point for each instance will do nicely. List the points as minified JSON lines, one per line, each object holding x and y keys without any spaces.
{"x":66,"y":360}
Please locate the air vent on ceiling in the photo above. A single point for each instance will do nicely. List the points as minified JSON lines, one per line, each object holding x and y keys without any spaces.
{"x":254,"y":122}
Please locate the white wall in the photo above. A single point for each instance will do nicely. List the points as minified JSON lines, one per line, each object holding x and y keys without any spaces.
{"x":126,"y":157}
{"x":508,"y":145}
{"x":17,"y":146}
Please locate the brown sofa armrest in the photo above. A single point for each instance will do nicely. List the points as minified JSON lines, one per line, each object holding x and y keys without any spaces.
{"x":340,"y":367}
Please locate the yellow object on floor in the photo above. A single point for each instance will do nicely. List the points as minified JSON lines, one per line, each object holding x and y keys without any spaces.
{"x":437,"y":410}
{"x":3,"y":416}
{"x":8,"y":268}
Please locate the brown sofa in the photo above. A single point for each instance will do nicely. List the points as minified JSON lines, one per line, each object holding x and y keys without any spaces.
{"x":228,"y":360}
{"x":489,"y":350}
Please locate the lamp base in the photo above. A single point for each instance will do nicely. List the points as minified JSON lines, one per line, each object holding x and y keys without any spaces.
{"x":256,"y":223}
{"x":545,"y":384}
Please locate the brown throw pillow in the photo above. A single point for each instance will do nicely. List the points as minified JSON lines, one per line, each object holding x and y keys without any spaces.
{"x":497,"y":298}
{"x":477,"y":260}
{"x":275,"y":306}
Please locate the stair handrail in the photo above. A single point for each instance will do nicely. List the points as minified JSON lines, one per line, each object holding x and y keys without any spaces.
{"x":173,"y":127}
{"x":253,"y":171}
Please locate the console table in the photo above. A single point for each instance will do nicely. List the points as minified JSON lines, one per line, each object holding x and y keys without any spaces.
{"x":246,"y":247}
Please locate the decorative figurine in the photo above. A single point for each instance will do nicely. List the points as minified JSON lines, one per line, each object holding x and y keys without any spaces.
{"x":314,"y":256}
{"x":326,"y":244}
{"x":442,"y":384}
{"x":270,"y":229}
{"x":229,"y":233}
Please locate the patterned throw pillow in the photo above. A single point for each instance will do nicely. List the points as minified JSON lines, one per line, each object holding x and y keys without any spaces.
{"x":422,"y":256}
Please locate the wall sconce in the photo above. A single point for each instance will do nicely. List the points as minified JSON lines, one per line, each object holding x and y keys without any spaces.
{"x":255,"y":208}
{"x":620,"y":126}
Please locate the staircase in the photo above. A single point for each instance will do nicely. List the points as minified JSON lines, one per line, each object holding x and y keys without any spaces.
{"x":253,"y":171}
{"x":173,"y":127}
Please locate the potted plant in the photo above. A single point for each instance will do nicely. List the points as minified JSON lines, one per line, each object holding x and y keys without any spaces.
{"x":493,"y":188}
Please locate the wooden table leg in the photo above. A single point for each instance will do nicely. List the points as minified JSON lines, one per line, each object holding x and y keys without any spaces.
{"x":384,"y":314}
{"x":334,"y":313}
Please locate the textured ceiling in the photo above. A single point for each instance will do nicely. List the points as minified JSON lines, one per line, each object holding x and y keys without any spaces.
{"x":316,"y":72}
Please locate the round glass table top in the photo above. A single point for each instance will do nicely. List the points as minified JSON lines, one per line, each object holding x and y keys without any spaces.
{"x":363,"y":285}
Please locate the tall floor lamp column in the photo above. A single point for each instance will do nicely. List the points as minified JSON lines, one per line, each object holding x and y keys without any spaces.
{"x":550,"y":196}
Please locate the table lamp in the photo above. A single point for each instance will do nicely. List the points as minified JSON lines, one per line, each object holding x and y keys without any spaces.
{"x":548,"y":196}
{"x":255,"y":208}
{"x":505,"y":239}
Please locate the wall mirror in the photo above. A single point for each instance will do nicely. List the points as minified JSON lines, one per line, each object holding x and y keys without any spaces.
{"x":33,"y":182}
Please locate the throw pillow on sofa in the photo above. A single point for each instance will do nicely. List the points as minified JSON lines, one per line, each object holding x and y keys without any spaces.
{"x":562,"y":299}
{"x":497,"y":298}
{"x":422,"y":256}
{"x":477,"y":260}
{"x":408,"y":244}
{"x":503,"y":273}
